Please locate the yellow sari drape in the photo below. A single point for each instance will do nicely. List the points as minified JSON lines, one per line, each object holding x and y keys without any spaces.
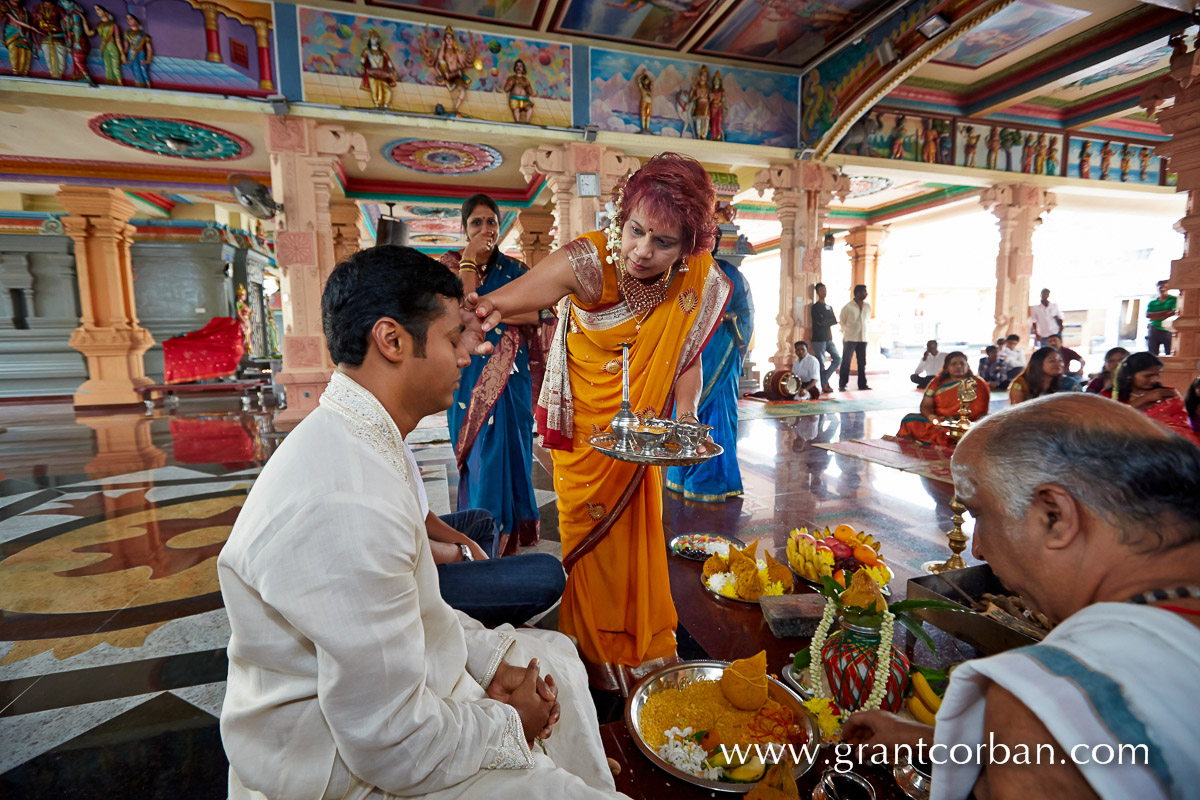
{"x":617,"y":602}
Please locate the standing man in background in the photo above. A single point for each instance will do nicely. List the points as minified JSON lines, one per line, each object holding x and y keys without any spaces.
{"x":821,"y":343}
{"x":853,"y":320}
{"x":1047,"y":319}
{"x":1160,"y":309}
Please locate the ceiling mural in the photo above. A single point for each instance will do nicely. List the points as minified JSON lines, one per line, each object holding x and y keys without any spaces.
{"x":1010,"y":29}
{"x":783,"y":31}
{"x":228,"y":48}
{"x":175,"y":138}
{"x":441,"y":157}
{"x":664,"y":23}
{"x":739,"y":105}
{"x":363,"y":62}
{"x":518,"y":13}
{"x":1139,"y":63}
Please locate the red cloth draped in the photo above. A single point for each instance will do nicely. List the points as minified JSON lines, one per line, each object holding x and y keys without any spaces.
{"x":214,"y":351}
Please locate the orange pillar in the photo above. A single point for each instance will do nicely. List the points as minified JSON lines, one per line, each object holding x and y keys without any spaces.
{"x":561,"y":165}
{"x":109,"y":335}
{"x":866,"y":242}
{"x":304,"y":176}
{"x":1183,"y":150}
{"x":1018,"y":208}
{"x":533,"y":233}
{"x":802,"y":194}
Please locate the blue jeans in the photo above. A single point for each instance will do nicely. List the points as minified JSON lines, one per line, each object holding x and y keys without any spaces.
{"x":859,"y":350}
{"x":511,"y":589}
{"x":819,"y":349}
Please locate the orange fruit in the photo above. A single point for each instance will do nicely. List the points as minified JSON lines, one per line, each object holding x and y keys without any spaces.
{"x":865,"y":554}
{"x":840,"y":577}
{"x":844,"y":533}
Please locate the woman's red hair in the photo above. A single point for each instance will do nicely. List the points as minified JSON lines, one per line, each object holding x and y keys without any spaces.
{"x":674,"y":189}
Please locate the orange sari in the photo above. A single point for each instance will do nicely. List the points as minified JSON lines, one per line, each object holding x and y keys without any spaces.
{"x":617,"y":602}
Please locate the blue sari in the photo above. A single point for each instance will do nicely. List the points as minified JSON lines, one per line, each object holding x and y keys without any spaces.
{"x":491,"y":424}
{"x":720,"y":478}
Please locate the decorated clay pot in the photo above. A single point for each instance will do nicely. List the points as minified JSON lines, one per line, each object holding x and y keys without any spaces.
{"x":849,"y":657}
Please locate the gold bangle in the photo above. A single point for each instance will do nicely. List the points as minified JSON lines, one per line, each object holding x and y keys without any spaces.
{"x":461,"y":270}
{"x":467,"y":263}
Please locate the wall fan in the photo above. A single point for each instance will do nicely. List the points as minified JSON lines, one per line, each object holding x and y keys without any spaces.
{"x":253,"y":196}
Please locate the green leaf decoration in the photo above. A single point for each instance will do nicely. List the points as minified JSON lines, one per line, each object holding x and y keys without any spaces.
{"x":802,"y":660}
{"x":831,"y":588}
{"x":697,"y":736}
{"x":936,"y":677}
{"x":915,"y":628}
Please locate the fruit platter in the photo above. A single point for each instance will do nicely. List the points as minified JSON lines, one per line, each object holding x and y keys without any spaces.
{"x":837,"y":555}
{"x":701,"y":720}
{"x":744,"y":575}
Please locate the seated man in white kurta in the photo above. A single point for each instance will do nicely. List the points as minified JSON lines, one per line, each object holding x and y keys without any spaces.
{"x":349,"y":676}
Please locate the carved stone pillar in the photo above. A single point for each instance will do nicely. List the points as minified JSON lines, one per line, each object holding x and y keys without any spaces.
{"x":803,"y":192}
{"x":865,"y":243}
{"x":304,"y":163}
{"x":344,"y":215}
{"x":1182,"y":121}
{"x":110,"y":335}
{"x":533,"y":227}
{"x":560,"y":164}
{"x":1018,"y":208}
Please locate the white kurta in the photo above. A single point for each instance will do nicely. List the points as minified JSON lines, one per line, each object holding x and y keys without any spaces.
{"x":349,"y":676}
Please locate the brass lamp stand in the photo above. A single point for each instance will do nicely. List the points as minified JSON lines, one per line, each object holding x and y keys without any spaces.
{"x":956,"y":429}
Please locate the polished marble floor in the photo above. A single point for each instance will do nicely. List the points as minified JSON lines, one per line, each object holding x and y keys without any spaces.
{"x":112,"y":634}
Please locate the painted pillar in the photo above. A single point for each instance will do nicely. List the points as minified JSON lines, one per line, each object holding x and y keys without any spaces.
{"x":1018,"y":208}
{"x":560,"y":164}
{"x":802,"y":194}
{"x":343,"y":215}
{"x":865,"y":244}
{"x":533,"y":227}
{"x":304,"y":176}
{"x":110,"y":336}
{"x":212,"y":38}
{"x":1182,"y":122}
{"x":262,"y":34}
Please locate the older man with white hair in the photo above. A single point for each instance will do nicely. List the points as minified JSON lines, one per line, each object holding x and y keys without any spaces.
{"x":1091,"y":512}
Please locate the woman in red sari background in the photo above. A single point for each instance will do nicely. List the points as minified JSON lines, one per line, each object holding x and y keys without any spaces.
{"x":648,"y":280}
{"x":1137,"y":385}
{"x":941,"y":401}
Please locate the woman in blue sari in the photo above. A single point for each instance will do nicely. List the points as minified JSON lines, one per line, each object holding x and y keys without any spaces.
{"x":720,"y":478}
{"x":491,"y":419}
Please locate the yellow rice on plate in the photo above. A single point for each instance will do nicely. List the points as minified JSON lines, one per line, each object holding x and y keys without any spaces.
{"x":702,"y":706}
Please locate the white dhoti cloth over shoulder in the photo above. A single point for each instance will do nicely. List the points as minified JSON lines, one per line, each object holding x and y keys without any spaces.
{"x":349,"y":676}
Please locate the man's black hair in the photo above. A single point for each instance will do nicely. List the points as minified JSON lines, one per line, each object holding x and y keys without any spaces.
{"x":1012,"y":337}
{"x":385,"y":281}
{"x":796,"y":345}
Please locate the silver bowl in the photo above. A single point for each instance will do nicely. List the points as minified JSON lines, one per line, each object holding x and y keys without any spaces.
{"x":690,"y":435}
{"x":676,"y":676}
{"x":649,"y":437}
{"x":914,"y":782}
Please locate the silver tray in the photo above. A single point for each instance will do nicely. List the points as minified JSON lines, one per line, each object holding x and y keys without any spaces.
{"x":714,"y":593}
{"x":679,"y":545}
{"x":679,"y":675}
{"x":666,"y":456}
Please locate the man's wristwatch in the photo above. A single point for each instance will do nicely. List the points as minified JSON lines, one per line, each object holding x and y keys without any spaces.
{"x":466,"y":553}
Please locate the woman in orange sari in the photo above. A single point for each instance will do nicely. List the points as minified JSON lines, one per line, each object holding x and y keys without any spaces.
{"x":648,"y":280}
{"x":941,"y":401}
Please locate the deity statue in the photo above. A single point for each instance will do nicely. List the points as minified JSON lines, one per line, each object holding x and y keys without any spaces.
{"x":993,"y":149}
{"x":1126,"y":161}
{"x":1052,"y":157}
{"x":49,"y":21}
{"x":77,"y":31}
{"x":450,"y":62}
{"x":519,"y":91}
{"x":1027,"y":154}
{"x":378,"y":71}
{"x":1106,"y":156}
{"x":700,"y":103}
{"x":645,"y":86}
{"x":18,"y":31}
{"x":716,"y":109}
{"x":110,"y":46}
{"x":929,"y":152}
{"x":245,"y":317}
{"x":1085,"y":160}
{"x":972,"y":144}
{"x":139,"y":51}
{"x":1039,"y":157}
{"x":1144,"y":164}
{"x":896,"y":140}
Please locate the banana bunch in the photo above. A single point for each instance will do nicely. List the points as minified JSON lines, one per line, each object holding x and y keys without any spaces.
{"x":924,"y":702}
{"x":805,"y":559}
